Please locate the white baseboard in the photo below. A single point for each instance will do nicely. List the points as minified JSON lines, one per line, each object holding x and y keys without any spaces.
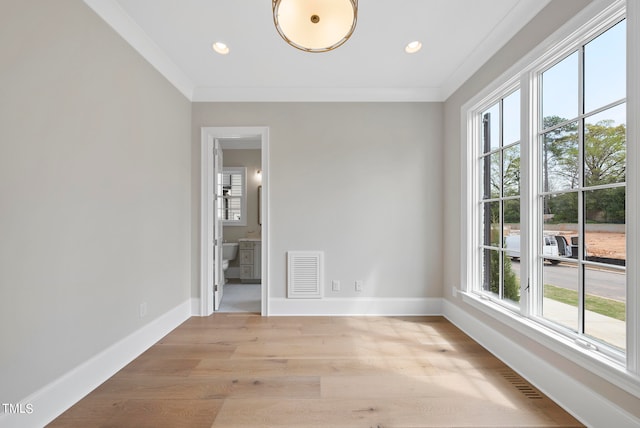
{"x":372,"y":306}
{"x":584,"y":403}
{"x":56,"y":397}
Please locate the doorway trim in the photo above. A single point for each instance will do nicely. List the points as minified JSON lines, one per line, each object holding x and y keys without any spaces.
{"x":208,"y":135}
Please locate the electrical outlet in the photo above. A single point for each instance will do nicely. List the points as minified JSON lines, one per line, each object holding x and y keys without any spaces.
{"x":335,"y":285}
{"x":143,"y":309}
{"x":359,"y":285}
{"x":454,"y":291}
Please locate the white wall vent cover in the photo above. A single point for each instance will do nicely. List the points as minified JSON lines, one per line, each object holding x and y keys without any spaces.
{"x":304,"y":274}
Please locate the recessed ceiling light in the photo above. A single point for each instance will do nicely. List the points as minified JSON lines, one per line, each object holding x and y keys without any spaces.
{"x":221,"y":48}
{"x":413,"y":47}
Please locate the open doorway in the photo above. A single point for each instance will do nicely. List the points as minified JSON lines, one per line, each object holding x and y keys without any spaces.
{"x":242,"y":225}
{"x":234,"y":220}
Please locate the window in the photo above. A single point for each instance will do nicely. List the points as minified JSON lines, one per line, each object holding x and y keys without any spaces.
{"x":499,"y":165}
{"x":582,"y":147}
{"x":547,"y":197}
{"x":233,"y":205}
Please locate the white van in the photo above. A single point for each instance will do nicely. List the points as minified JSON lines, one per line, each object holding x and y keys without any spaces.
{"x":551,"y":247}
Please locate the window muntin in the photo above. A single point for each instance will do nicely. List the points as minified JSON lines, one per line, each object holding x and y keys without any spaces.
{"x":582,"y":188}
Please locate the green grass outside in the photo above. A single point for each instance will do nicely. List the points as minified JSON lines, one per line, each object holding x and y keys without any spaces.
{"x":607,"y":307}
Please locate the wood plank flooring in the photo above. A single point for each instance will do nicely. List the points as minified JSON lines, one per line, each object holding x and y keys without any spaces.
{"x":245,"y":371}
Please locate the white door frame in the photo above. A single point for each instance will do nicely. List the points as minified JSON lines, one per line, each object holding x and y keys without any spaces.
{"x":218,"y":238}
{"x":208,"y":135}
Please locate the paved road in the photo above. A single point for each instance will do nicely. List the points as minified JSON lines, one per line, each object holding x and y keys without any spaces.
{"x":599,"y":282}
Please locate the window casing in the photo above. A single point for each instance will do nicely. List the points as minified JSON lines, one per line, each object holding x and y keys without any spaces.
{"x":572,"y":180}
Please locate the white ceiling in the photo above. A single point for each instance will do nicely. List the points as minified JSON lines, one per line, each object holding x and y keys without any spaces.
{"x":458,"y":36}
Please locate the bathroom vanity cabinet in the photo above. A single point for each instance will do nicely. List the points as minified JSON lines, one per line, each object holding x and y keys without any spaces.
{"x":250,"y":260}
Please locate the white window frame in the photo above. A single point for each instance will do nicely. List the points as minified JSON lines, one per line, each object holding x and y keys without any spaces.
{"x":496,"y":97}
{"x":625,"y":373}
{"x":584,"y":37}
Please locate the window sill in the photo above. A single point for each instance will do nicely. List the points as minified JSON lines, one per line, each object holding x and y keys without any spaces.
{"x":610,"y":370}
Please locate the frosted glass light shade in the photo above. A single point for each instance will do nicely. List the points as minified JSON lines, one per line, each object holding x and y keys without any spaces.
{"x":315,"y":25}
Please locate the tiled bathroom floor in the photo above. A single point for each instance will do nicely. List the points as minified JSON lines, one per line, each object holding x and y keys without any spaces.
{"x":241,"y":298}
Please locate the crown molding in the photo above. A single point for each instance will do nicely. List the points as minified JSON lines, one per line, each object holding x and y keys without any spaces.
{"x":523,"y":11}
{"x":113,"y":14}
{"x":284,"y":94}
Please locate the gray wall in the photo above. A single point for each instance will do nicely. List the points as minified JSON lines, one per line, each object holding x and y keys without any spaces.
{"x":543,"y":25}
{"x":94,"y":188}
{"x":348,"y":179}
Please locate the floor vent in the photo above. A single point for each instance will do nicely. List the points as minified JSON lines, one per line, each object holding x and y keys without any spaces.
{"x":304,"y":274}
{"x":521,"y":384}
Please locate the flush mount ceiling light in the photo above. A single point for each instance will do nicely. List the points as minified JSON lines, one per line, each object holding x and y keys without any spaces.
{"x":315,"y":25}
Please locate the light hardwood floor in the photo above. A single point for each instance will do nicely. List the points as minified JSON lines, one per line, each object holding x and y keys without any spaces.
{"x":242,"y":370}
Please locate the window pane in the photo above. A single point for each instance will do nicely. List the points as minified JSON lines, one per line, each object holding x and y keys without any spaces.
{"x":605,"y":305}
{"x":491,"y":129}
{"x":605,"y":147}
{"x":511,"y":275}
{"x":495,"y":175}
{"x":560,"y":166}
{"x":232,"y":209}
{"x":605,"y":235}
{"x":561,"y":223}
{"x":605,"y":68}
{"x":491,"y":224}
{"x":511,"y":215}
{"x":560,"y":301}
{"x":511,"y":118}
{"x":491,"y":175}
{"x":491,"y":271}
{"x":512,"y":245}
{"x":511,"y":171}
{"x":560,"y":90}
{"x":236,"y":185}
{"x":560,"y":208}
